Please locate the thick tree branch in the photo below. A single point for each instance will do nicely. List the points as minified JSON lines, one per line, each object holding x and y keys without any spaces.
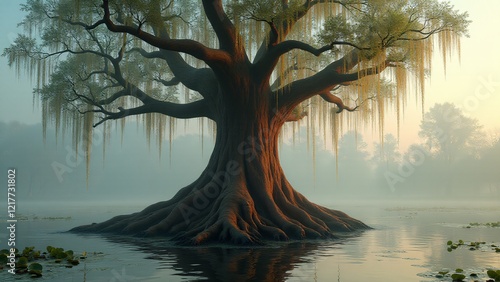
{"x":182,"y":111}
{"x":270,"y":59}
{"x":284,"y":27}
{"x":151,"y":105}
{"x":201,"y":80}
{"x":222,"y":25}
{"x":172,"y":82}
{"x":345,"y":78}
{"x":322,"y":82}
{"x":212,"y":57}
{"x":114,"y":97}
{"x":289,"y":45}
{"x":330,"y":98}
{"x":280,"y":30}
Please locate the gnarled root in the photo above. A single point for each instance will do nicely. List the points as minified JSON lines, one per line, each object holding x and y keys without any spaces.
{"x":231,"y":215}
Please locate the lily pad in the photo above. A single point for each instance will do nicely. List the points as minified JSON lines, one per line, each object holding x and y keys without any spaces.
{"x":3,"y":259}
{"x":35,"y":266}
{"x":22,"y":262}
{"x":457,"y":277}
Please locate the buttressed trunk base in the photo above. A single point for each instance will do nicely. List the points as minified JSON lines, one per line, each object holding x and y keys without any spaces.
{"x":242,"y":197}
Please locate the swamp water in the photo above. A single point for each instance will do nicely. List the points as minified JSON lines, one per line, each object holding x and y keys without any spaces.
{"x":408,"y":243}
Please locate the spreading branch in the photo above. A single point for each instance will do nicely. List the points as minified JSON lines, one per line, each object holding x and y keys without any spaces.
{"x":222,"y":25}
{"x":182,"y":111}
{"x":345,"y":78}
{"x":201,"y":80}
{"x":330,"y":98}
{"x":289,"y":45}
{"x":325,"y":80}
{"x":212,"y":57}
{"x":171,"y":82}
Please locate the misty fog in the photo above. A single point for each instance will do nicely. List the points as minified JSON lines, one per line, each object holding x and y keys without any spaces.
{"x":451,"y":161}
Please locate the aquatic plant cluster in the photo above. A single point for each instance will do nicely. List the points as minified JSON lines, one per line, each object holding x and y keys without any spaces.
{"x":460,"y":274}
{"x":488,"y":224}
{"x":28,"y":261}
{"x":472,"y":245}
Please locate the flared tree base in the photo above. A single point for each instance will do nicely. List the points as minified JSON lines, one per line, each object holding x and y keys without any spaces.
{"x":231,"y":215}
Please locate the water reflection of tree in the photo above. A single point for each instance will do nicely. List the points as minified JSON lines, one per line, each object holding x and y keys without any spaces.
{"x":218,"y":263}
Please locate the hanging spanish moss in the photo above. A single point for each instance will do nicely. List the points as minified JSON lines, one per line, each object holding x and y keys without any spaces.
{"x":246,"y":67}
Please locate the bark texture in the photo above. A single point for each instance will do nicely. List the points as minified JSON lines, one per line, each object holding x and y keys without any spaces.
{"x":243,"y":196}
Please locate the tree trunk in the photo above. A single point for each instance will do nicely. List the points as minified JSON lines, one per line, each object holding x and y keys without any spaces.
{"x":242,"y":196}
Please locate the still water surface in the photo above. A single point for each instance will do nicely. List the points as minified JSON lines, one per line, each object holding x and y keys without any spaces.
{"x":408,"y":243}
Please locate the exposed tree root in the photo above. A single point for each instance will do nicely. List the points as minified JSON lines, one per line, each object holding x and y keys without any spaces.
{"x":197,"y":215}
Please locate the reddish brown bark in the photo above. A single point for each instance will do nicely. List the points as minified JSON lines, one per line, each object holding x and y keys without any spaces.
{"x":243,"y":195}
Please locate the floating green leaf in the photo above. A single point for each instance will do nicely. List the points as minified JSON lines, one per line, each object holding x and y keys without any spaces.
{"x":457,"y":277}
{"x":3,"y":258}
{"x":35,"y":266}
{"x":22,"y":262}
{"x":492,"y":274}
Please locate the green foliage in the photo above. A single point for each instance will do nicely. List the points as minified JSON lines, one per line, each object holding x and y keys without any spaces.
{"x":269,"y":11}
{"x":3,"y":258}
{"x":460,"y":275}
{"x":35,"y":269}
{"x":487,"y":224}
{"x":36,"y":266}
{"x":30,"y":260}
{"x":479,"y":245}
{"x":22,"y":262}
{"x":494,"y":274}
{"x":457,"y":277}
{"x":381,"y":25}
{"x":87,"y":74}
